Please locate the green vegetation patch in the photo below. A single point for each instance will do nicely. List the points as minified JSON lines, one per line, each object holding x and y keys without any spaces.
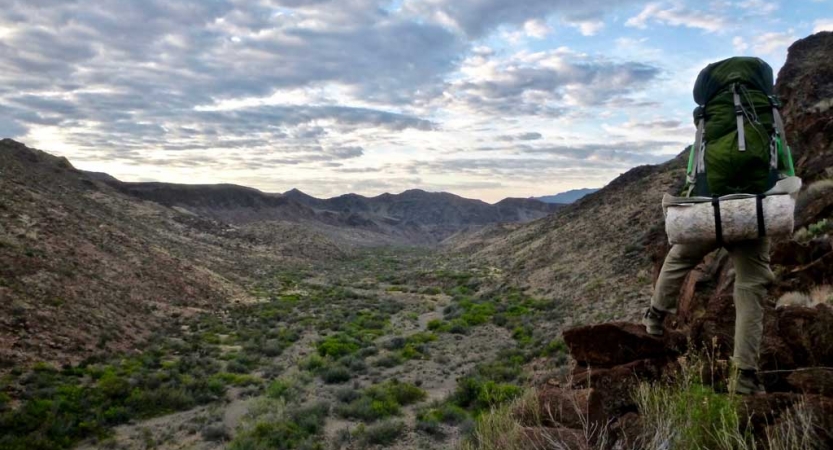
{"x":271,"y":426}
{"x":379,"y":401}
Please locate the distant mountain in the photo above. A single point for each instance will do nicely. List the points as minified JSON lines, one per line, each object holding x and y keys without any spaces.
{"x":566,"y":197}
{"x":418,"y":207}
{"x":411,"y":217}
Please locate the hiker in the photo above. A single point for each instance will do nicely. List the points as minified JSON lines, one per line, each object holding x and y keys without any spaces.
{"x":740,"y":147}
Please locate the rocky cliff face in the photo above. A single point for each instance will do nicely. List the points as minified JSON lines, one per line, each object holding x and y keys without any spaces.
{"x":804,"y":84}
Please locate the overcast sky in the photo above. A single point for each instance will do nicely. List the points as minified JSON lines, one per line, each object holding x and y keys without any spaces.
{"x":483,"y":98}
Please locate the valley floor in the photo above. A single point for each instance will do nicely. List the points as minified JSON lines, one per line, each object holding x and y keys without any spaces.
{"x":393,"y":348}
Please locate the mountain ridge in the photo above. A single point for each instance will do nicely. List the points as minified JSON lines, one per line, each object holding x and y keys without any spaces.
{"x":570,"y":196}
{"x":414,"y":216}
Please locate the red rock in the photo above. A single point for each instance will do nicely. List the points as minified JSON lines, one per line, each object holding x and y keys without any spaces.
{"x":626,"y":431}
{"x":615,"y":385}
{"x":571,"y":408}
{"x":806,"y":332}
{"x":615,"y":343}
{"x":812,"y":381}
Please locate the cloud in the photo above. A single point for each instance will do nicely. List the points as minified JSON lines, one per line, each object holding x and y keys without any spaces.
{"x":822,"y":25}
{"x":478,"y":17}
{"x":138,"y":74}
{"x":537,"y":28}
{"x":677,"y":15}
{"x":590,"y":27}
{"x":759,"y":7}
{"x":547,"y":83}
{"x":529,"y":136}
{"x":739,"y":44}
{"x":773,"y":43}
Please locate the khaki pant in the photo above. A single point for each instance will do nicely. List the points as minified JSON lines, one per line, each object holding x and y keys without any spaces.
{"x":752,"y":275}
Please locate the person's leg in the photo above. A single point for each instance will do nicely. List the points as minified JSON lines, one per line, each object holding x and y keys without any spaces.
{"x":679,"y":262}
{"x":752,"y":276}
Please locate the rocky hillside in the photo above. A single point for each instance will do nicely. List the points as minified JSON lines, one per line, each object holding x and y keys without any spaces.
{"x":84,"y":268}
{"x":596,"y":253}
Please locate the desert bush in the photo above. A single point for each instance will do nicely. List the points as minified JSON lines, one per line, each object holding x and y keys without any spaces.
{"x":271,"y":425}
{"x":380,"y":401}
{"x":438,"y":325}
{"x":383,"y":433}
{"x":396,"y":343}
{"x":480,"y":395}
{"x":215,"y":433}
{"x":388,"y":360}
{"x":338,"y":345}
{"x":312,"y":363}
{"x":335,"y":374}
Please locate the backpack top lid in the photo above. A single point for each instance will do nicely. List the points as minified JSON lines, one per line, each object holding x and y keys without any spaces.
{"x":753,"y":72}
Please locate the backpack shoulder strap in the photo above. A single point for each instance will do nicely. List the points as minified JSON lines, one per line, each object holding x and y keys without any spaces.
{"x":696,"y":177}
{"x":739,"y":118}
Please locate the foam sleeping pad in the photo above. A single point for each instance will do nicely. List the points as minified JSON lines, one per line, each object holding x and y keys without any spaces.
{"x":691,"y":220}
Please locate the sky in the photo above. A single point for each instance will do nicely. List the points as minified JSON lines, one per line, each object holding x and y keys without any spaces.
{"x":483,"y":98}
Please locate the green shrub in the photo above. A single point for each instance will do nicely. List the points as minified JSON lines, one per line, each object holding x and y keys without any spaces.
{"x":335,"y":374}
{"x":438,"y":325}
{"x":312,"y":363}
{"x":338,"y":345}
{"x":481,"y":395}
{"x":280,"y":388}
{"x":383,"y":434}
{"x":381,"y":401}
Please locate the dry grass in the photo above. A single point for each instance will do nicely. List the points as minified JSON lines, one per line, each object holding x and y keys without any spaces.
{"x":499,"y":428}
{"x":796,"y":430}
{"x":820,"y":295}
{"x":821,"y":187}
{"x":794,"y":299}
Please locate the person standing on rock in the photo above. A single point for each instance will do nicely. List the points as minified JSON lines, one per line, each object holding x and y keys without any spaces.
{"x":740,"y":140}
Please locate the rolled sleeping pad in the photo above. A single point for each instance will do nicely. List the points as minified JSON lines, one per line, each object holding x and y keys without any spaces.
{"x":732,"y":218}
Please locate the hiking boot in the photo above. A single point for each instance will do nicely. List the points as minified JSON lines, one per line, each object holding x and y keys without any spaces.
{"x":653,"y":321}
{"x":747,"y":383}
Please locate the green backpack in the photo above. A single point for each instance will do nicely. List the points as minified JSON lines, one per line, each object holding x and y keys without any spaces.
{"x":740,"y":146}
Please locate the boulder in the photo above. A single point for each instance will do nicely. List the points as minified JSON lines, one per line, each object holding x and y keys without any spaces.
{"x":615,"y":343}
{"x":616,"y":385}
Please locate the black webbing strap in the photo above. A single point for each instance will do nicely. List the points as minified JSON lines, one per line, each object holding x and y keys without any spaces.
{"x":759,"y":207}
{"x":718,"y":224}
